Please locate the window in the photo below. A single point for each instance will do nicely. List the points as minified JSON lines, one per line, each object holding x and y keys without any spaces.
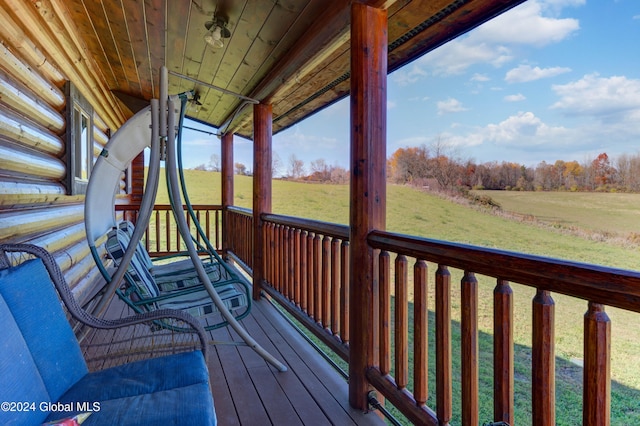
{"x":79,"y":140}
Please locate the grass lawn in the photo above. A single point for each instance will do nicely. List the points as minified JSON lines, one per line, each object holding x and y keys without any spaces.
{"x":413,"y":212}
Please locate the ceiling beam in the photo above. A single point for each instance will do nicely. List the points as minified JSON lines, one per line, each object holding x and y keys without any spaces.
{"x":324,"y":36}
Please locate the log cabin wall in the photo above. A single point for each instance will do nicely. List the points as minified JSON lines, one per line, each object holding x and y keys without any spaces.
{"x":40,"y":51}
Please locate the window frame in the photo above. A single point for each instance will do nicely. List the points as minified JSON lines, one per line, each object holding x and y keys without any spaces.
{"x":79,"y":145}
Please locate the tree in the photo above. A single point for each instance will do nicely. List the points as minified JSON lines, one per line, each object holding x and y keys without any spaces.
{"x":603,"y":171}
{"x":407,"y":165}
{"x":296,"y":167}
{"x":320,"y":171}
{"x":214,"y":163}
{"x":241,"y":169}
{"x":276,"y":164}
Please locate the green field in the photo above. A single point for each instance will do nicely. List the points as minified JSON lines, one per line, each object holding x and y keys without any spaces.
{"x":415,"y":212}
{"x":614,"y":213}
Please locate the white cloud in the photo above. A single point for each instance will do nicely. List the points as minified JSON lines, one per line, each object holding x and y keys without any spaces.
{"x":391,"y":104}
{"x":480,"y":77}
{"x":524,"y":126}
{"x":529,"y":24}
{"x":450,"y":105}
{"x":404,"y":77}
{"x":515,"y":98}
{"x":613,"y":98}
{"x":533,"y":23}
{"x":524,"y":73}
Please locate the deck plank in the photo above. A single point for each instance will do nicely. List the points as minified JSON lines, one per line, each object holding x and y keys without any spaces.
{"x":249,"y":391}
{"x":320,"y":380}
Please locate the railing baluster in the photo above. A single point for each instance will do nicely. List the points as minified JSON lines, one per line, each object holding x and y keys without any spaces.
{"x":597,"y":367}
{"x":326,"y":284}
{"x":344,"y":291}
{"x":310,"y":275}
{"x":297,"y":266}
{"x":285,"y":262}
{"x":385,"y":312}
{"x":543,"y":358}
{"x":304,"y":270}
{"x":317,"y":279}
{"x":291,"y":267}
{"x":421,"y":333}
{"x":503,"y":352}
{"x":443,"y":345}
{"x":335,"y":287}
{"x":401,"y":323}
{"x":469,"y":349}
{"x":279,"y":251}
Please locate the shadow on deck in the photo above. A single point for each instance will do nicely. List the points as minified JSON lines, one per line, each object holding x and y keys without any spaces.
{"x":248,"y":391}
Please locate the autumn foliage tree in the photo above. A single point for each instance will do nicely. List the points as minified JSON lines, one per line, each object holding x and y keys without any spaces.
{"x":603,"y":171}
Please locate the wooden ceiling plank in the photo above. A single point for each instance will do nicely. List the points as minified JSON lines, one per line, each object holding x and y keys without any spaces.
{"x":117,"y":20}
{"x":155,"y":25}
{"x":298,"y":28}
{"x":247,"y":27}
{"x":97,"y":14}
{"x":79,"y":15}
{"x":177,"y":18}
{"x":136,"y":26}
{"x":334,"y":21}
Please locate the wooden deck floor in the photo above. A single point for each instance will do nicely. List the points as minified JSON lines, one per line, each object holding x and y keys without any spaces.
{"x":249,"y":391}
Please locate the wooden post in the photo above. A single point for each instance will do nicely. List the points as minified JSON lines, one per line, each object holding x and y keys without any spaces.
{"x":368,"y":185}
{"x":503,"y":353}
{"x":597,"y":367}
{"x":262,"y":128}
{"x":469,"y":349}
{"x":227,"y":189}
{"x":543,"y":360}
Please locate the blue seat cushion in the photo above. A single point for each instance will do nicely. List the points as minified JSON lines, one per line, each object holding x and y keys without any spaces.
{"x":188,"y":405}
{"x":33,"y":301}
{"x":140,"y":377}
{"x":21,"y":381}
{"x":169,"y":390}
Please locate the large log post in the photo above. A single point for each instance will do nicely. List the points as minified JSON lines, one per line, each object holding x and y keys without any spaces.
{"x":368,"y":185}
{"x":227,"y":188}
{"x":262,"y":131}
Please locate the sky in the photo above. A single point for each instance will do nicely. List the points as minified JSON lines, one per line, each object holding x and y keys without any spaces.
{"x":548,"y":80}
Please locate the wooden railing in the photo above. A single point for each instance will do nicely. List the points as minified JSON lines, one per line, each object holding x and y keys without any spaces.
{"x":239,"y":231}
{"x":307,"y":272}
{"x":307,"y":269}
{"x":597,"y":285}
{"x":162,"y":236}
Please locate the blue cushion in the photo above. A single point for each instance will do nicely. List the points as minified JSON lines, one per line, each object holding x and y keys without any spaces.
{"x":140,"y":377}
{"x":33,"y":301}
{"x":20,"y":380}
{"x":188,"y":405}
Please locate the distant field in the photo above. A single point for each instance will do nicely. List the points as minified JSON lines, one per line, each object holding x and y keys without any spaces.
{"x":414,"y":212}
{"x":596,"y":211}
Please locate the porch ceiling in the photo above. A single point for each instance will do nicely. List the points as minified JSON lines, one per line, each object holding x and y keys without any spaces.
{"x":293,"y":54}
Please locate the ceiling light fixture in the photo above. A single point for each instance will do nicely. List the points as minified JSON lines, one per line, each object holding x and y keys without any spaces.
{"x":216,"y":31}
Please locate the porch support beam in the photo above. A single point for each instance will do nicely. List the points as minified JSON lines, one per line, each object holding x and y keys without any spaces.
{"x":262,"y":132}
{"x":368,"y":185}
{"x":227,"y":187}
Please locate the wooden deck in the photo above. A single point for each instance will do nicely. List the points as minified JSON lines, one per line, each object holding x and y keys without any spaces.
{"x":248,"y":391}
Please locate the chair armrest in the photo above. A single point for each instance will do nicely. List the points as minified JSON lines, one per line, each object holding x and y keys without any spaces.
{"x":173,"y":321}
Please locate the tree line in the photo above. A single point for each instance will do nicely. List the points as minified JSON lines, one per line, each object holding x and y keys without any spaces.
{"x":438,"y":166}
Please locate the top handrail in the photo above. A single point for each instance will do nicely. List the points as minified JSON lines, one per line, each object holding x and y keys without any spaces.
{"x":240,"y":210}
{"x":329,"y":229}
{"x":599,"y":284}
